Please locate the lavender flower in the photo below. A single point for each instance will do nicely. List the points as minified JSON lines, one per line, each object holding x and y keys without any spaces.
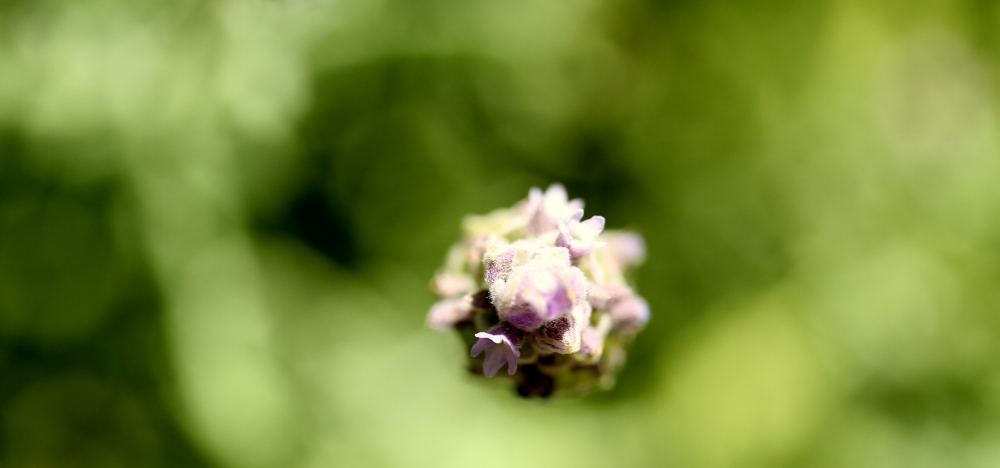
{"x":580,"y":237}
{"x":546,"y":209}
{"x":501,"y":344}
{"x":537,"y":285}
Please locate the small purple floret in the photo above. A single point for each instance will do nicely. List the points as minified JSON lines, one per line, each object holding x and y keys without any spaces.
{"x":545,"y":209}
{"x":501,"y":345}
{"x":580,"y":237}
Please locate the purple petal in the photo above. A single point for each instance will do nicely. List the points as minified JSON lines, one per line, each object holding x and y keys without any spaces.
{"x":544,"y":294}
{"x":547,"y":208}
{"x":576,"y":216}
{"x":590,"y":228}
{"x":577,"y":248}
{"x":493,"y":362}
{"x":564,"y":235}
{"x":557,"y":305}
{"x":541,"y":280}
{"x":523,"y":317}
{"x":579,"y":237}
{"x":512,"y":362}
{"x":483,"y":344}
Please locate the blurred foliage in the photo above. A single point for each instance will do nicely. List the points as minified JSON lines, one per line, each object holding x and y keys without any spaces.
{"x":218,"y":220}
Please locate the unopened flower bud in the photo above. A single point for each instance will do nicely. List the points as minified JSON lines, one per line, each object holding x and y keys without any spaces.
{"x":449,"y":312}
{"x":625,"y":248}
{"x":592,"y":339}
{"x":630,"y":314}
{"x":563,"y":335}
{"x":452,"y":284}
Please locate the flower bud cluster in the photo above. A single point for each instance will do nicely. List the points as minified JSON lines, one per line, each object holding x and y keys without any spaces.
{"x":543,"y":292}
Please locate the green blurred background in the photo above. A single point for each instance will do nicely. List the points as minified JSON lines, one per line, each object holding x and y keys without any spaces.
{"x":218,"y":220}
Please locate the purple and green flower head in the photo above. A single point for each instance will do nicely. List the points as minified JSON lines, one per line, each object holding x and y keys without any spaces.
{"x":543,"y":292}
